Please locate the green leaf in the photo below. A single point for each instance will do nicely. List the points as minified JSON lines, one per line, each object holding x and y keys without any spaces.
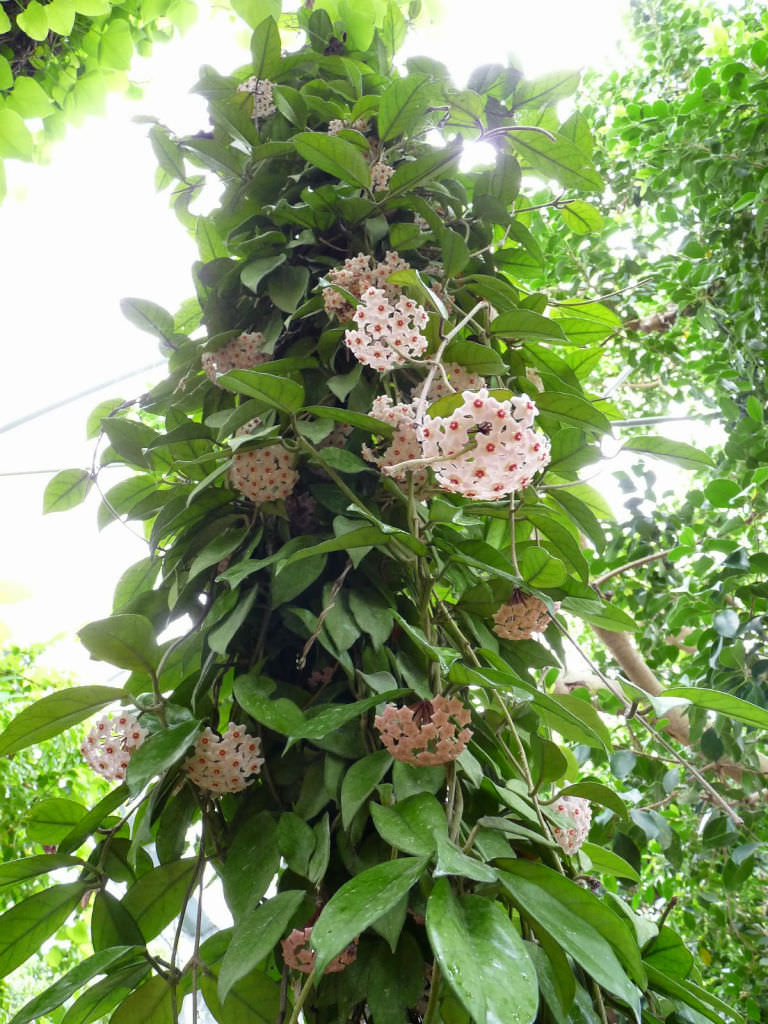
{"x":455,"y":252}
{"x":694,"y":996}
{"x":29,"y":99}
{"x":409,"y":175}
{"x":6,"y":73}
{"x":561,"y":542}
{"x":51,"y":819}
{"x":5,"y":22}
{"x":721,"y":492}
{"x":31,"y":867}
{"x":540,"y":569}
{"x":33,"y":21}
{"x":255,"y":936}
{"x":575,"y":411}
{"x":582,"y":218}
{"x":150,"y":1004}
{"x":678,"y":452}
{"x":89,"y":822}
{"x":255,"y":11}
{"x":158,"y":752}
{"x":279,"y":392}
{"x":359,"y":902}
{"x":609,"y":863}
{"x":596,"y":793}
{"x":477,"y":945}
{"x":403,"y":105}
{"x":15,"y":138}
{"x":286,"y":287}
{"x":102,"y":998}
{"x":148,"y":316}
{"x":126,"y":640}
{"x":452,"y":861}
{"x":723,"y":703}
{"x":354,"y":419}
{"x":335,"y":156}
{"x":68,"y":488}
{"x":26,"y":926}
{"x":51,"y":715}
{"x":358,"y":783}
{"x":545,"y":91}
{"x":156,"y":898}
{"x":265,"y":49}
{"x":561,"y":160}
{"x":116,"y":46}
{"x":525,"y":325}
{"x":61,"y":16}
{"x":254,"y":272}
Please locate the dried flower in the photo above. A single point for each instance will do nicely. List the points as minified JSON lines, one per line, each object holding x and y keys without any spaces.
{"x":241,"y":353}
{"x":405,"y":440}
{"x":224,"y":764}
{"x":264,"y":474}
{"x":298,"y":954}
{"x":109,"y":744}
{"x":521,"y":617}
{"x":388,"y":333}
{"x":357,"y":275}
{"x":433,"y":732}
{"x":486,"y":448}
{"x":261,"y":90}
{"x":578,"y":811}
{"x":380,"y":175}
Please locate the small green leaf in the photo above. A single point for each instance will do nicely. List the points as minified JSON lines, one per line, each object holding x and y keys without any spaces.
{"x":359,"y":781}
{"x":334,"y":156}
{"x":254,"y":272}
{"x":15,"y":138}
{"x":255,"y":936}
{"x":33,"y":21}
{"x":424,"y":168}
{"x":540,"y":569}
{"x":609,"y":863}
{"x":67,"y":489}
{"x":525,"y":325}
{"x":266,"y":48}
{"x":572,"y":410}
{"x":287,"y":286}
{"x":582,"y":218}
{"x":158,"y":752}
{"x":455,"y":252}
{"x":51,"y":715}
{"x":354,"y":419}
{"x":678,"y":452}
{"x":150,"y":1004}
{"x":29,"y":99}
{"x":148,"y":316}
{"x":61,"y":16}
{"x":127,"y":641}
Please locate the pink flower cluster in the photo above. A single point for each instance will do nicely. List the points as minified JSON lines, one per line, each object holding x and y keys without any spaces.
{"x":433,"y":732}
{"x":224,"y":764}
{"x":388,"y":333}
{"x":261,"y":90}
{"x":579,"y":813}
{"x":300,"y":957}
{"x":264,"y":474}
{"x":357,"y":275}
{"x":108,"y":746}
{"x":241,"y":353}
{"x":486,"y":448}
{"x":380,"y":175}
{"x":521,"y":617}
{"x":459,"y":378}
{"x":405,"y":440}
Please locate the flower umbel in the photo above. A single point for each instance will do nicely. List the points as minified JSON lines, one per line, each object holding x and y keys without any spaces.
{"x":405,"y":440}
{"x":521,"y":617}
{"x":241,"y":353}
{"x":380,"y":175}
{"x":108,"y":746}
{"x":388,"y":333}
{"x":486,"y":448}
{"x":261,"y":90}
{"x":265,"y":474}
{"x":224,"y":764}
{"x":299,"y":956}
{"x":579,"y":812}
{"x":433,"y":732}
{"x":356,"y":276}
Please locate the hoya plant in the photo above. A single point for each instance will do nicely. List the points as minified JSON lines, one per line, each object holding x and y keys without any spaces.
{"x":369,"y":541}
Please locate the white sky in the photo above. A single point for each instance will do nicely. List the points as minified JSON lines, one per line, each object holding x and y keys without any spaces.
{"x":89,"y":229}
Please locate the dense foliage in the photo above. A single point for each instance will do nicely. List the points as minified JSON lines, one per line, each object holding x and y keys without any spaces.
{"x":319,"y":598}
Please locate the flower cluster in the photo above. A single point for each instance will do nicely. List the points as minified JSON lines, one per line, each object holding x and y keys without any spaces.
{"x":486,"y":448}
{"x":388,"y":333}
{"x":405,"y":440}
{"x":299,"y":956}
{"x":578,"y":811}
{"x":380,"y":175}
{"x":335,"y":125}
{"x":261,"y":90}
{"x":357,"y":275}
{"x":264,"y":474}
{"x":108,"y":746}
{"x":454,"y":377}
{"x":241,"y":353}
{"x":224,"y":764}
{"x":521,"y":617}
{"x":433,"y":732}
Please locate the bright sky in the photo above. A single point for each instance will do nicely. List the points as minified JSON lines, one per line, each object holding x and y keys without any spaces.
{"x":89,"y":229}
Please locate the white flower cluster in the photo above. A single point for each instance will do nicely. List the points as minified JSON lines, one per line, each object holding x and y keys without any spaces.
{"x":265,"y":474}
{"x":388,"y":333}
{"x":579,"y":812}
{"x":454,"y":377}
{"x":380,"y":175}
{"x":405,"y":440}
{"x":108,"y":746}
{"x":357,"y":275}
{"x":486,"y":448}
{"x":241,"y":353}
{"x":261,"y":90}
{"x":335,"y":125}
{"x":224,"y":764}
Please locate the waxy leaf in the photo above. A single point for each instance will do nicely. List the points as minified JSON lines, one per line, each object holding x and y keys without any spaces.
{"x":525,"y":325}
{"x":723,"y":703}
{"x":279,"y":392}
{"x":158,"y":896}
{"x":159,"y":752}
{"x":678,"y":452}
{"x":254,"y":937}
{"x":67,"y":489}
{"x":127,"y":641}
{"x":51,"y":715}
{"x":150,"y":1004}
{"x":358,"y":783}
{"x":402,"y":106}
{"x":334,"y":156}
{"x":25,"y":927}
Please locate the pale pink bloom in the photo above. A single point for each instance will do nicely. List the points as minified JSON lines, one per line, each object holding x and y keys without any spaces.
{"x":405,"y":440}
{"x":486,"y":448}
{"x":265,"y":474}
{"x":380,"y":175}
{"x":224,"y":764}
{"x":389,"y":333}
{"x":579,"y":813}
{"x":358,"y":274}
{"x":459,"y":379}
{"x":431,"y":733}
{"x":335,"y":125}
{"x":534,"y":377}
{"x":108,"y":746}
{"x":300,"y":957}
{"x":261,"y":90}
{"x":521,"y":617}
{"x":241,"y":353}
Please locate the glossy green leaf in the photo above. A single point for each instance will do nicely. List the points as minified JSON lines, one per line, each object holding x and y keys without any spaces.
{"x":254,"y":272}
{"x":360,"y":902}
{"x":156,"y":898}
{"x":476,"y":944}
{"x":609,"y":863}
{"x":287,"y":286}
{"x":255,"y":936}
{"x":525,"y":325}
{"x":279,"y":392}
{"x":26,"y":926}
{"x":126,"y":640}
{"x":415,"y":172}
{"x":724,"y":703}
{"x":560,"y":160}
{"x":402,"y":106}
{"x":358,"y":783}
{"x":33,"y":21}
{"x":265,"y":48}
{"x":596,"y":793}
{"x":150,"y":1004}
{"x":159,"y":752}
{"x":335,"y":156}
{"x":677,"y":452}
{"x":51,"y":715}
{"x":15,"y":871}
{"x":540,"y":570}
{"x":50,"y":819}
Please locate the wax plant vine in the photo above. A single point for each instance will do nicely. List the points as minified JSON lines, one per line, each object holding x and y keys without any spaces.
{"x":360,"y":488}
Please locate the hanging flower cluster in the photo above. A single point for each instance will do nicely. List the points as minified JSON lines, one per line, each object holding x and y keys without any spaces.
{"x":433,"y":732}
{"x":486,"y":448}
{"x":335,"y":125}
{"x":264,"y":474}
{"x":521,"y":617}
{"x":388,"y":333}
{"x":224,"y":764}
{"x":300,"y":957}
{"x":357,"y":275}
{"x":579,"y":812}
{"x":241,"y":353}
{"x":405,"y":440}
{"x":454,"y":378}
{"x":261,"y":90}
{"x":380,"y":175}
{"x":108,"y":746}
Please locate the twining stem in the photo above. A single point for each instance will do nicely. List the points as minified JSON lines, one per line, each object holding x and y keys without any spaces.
{"x":597,"y":997}
{"x":198,"y":930}
{"x":422,"y":405}
{"x":512,"y":544}
{"x":430,"y":1016}
{"x":631,"y":565}
{"x":301,"y":999}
